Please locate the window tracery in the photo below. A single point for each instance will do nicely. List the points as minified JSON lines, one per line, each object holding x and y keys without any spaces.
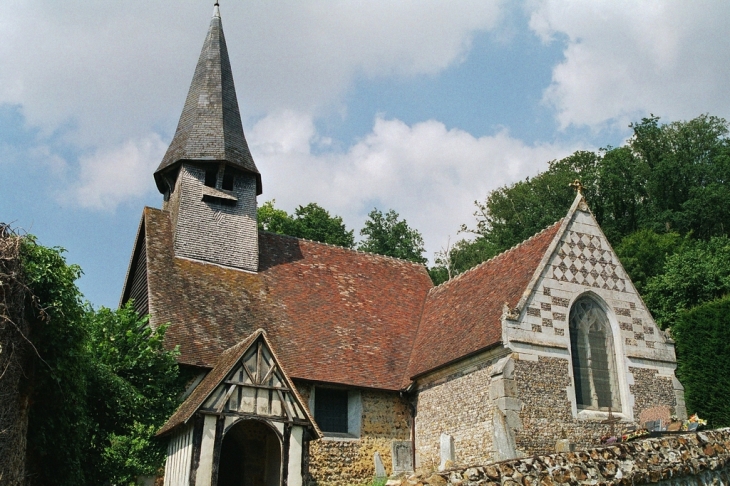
{"x":594,"y":358}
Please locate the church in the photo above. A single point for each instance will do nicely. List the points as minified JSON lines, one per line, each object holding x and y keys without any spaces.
{"x":317,"y":364}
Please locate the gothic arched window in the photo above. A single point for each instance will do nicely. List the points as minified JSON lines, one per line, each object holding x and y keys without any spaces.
{"x":594,"y":359}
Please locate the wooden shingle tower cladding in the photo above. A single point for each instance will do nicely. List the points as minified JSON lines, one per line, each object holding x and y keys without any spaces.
{"x":208,"y":177}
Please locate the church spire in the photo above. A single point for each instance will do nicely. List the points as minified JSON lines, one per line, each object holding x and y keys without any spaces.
{"x":210,"y":128}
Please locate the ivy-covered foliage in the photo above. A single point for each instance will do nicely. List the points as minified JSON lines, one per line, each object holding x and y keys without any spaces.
{"x":59,"y":422}
{"x":703,"y":351}
{"x":101,"y":382}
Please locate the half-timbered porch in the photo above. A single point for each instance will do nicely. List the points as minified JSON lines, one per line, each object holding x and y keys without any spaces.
{"x":243,"y":425}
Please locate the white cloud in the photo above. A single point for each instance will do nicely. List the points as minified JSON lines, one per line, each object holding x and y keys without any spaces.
{"x":624,"y":59}
{"x":114,"y":70}
{"x":429,"y":174}
{"x":109,"y":178}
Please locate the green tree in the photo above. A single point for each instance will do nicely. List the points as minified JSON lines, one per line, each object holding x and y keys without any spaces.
{"x":134,"y":388}
{"x":385,"y":234}
{"x":273,"y":219}
{"x":312,"y":222}
{"x":703,"y":354}
{"x":460,"y":257}
{"x":698,"y":272}
{"x":315,"y":223}
{"x":668,"y":178}
{"x":100,"y":382}
{"x":644,"y":253}
{"x":688,"y":169}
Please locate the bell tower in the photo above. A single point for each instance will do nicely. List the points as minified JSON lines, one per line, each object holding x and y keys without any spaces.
{"x":207,"y":176}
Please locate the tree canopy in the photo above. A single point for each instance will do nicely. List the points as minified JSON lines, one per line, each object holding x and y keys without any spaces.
{"x":388,"y":235}
{"x":667,"y":179}
{"x":311,"y":222}
{"x":385,"y":234}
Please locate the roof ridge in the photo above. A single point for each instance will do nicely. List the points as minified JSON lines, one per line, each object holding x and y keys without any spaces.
{"x":355,"y":250}
{"x":485,"y":262}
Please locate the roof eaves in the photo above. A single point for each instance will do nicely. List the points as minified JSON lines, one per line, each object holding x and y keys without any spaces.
{"x":456,"y":360}
{"x":133,"y":260}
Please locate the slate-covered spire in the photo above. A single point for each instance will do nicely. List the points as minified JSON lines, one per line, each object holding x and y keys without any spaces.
{"x":210,"y":128}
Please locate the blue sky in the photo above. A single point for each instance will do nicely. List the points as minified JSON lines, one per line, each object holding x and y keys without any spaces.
{"x":422,"y":107}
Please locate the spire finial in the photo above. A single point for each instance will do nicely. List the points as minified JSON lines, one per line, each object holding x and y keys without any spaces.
{"x":577,"y":186}
{"x":216,"y":10}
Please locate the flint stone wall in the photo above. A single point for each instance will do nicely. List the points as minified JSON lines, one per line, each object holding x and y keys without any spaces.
{"x":689,"y":459}
{"x":459,"y":405}
{"x":349,"y":461}
{"x":547,"y":410}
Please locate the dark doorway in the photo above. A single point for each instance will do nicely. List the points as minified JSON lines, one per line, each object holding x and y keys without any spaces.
{"x":250,"y":456}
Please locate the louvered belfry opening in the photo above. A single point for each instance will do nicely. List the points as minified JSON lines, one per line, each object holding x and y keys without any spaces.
{"x":594,"y":358}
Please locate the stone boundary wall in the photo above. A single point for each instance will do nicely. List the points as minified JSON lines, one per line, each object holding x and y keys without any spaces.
{"x":687,"y":459}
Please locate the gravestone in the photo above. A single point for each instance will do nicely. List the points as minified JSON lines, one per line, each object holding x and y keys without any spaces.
{"x":379,"y":468}
{"x":447,"y":451}
{"x":402,"y":452}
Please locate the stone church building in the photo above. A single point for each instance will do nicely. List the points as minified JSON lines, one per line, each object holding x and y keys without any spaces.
{"x":314,"y":361}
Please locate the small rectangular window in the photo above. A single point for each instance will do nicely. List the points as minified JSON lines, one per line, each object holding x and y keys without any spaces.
{"x":330,"y":410}
{"x":227,"y":179}
{"x":211,"y":176}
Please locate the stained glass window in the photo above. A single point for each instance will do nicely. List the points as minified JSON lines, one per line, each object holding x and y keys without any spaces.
{"x":594,"y":361}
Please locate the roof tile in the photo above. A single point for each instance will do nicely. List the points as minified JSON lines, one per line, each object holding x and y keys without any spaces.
{"x":464,"y":315}
{"x":333,"y":315}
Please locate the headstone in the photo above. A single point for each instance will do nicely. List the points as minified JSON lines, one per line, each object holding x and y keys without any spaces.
{"x":402,"y":452}
{"x":379,"y":468}
{"x":564,"y":445}
{"x":447,"y":451}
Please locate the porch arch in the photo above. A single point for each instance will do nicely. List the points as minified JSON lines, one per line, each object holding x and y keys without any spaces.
{"x":251,"y":455}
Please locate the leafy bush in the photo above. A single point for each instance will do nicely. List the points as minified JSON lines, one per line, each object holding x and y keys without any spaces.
{"x":703,"y":353}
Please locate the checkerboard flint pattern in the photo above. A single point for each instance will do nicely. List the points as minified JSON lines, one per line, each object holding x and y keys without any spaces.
{"x":587,"y":260}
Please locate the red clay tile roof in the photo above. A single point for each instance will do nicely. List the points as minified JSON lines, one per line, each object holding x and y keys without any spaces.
{"x":332,"y":314}
{"x":464,"y":315}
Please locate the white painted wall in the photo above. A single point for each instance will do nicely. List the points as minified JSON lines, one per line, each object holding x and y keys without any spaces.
{"x":296,"y":446}
{"x":205,"y":465}
{"x":179,"y":456}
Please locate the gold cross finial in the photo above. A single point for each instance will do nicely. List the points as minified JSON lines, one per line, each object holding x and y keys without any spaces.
{"x":577,"y":186}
